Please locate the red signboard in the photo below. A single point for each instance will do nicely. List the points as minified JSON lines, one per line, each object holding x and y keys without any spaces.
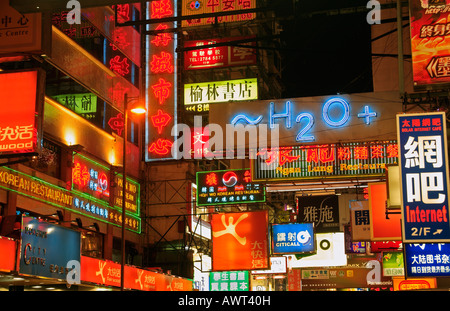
{"x":21,"y":105}
{"x":240,"y":241}
{"x":107,"y":273}
{"x":8,"y":254}
{"x":430,"y":43}
{"x":218,"y":56}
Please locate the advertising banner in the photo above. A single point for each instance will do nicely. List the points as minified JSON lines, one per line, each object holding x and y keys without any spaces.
{"x":293,"y":238}
{"x":430,"y":42}
{"x":46,"y":249}
{"x":382,"y":228}
{"x":393,"y":264}
{"x":400,"y":283}
{"x":427,"y":259}
{"x":240,"y":241}
{"x":228,"y":187}
{"x":21,"y":112}
{"x":422,"y":140}
{"x":321,"y":210}
{"x":8,"y":251}
{"x":360,"y":220}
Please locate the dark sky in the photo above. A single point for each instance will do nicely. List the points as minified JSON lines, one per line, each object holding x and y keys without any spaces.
{"x":326,"y":54}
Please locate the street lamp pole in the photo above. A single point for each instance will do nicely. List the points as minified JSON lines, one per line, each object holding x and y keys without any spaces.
{"x":124,"y":180}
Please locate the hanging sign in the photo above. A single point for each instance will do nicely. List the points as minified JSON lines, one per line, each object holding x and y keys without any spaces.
{"x":427,"y":259}
{"x":321,"y":210}
{"x":293,"y":238}
{"x":423,"y":162}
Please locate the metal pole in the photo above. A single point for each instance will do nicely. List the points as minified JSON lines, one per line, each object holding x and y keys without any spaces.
{"x":124,"y":180}
{"x":401,"y":81}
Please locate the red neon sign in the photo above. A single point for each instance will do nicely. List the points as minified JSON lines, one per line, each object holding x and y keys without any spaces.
{"x":161,"y":147}
{"x":162,"y":8}
{"x":163,"y":63}
{"x":162,"y":90}
{"x":160,"y":120}
{"x":163,"y":38}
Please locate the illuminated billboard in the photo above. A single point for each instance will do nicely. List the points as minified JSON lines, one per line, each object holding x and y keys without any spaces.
{"x":293,"y":238}
{"x":228,"y":187}
{"x":423,"y":163}
{"x":21,"y":112}
{"x":427,"y":259}
{"x":240,"y":241}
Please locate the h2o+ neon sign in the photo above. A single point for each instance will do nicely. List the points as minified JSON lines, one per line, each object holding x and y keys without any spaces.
{"x":307,"y":119}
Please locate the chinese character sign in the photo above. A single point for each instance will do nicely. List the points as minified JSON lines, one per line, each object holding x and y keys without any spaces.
{"x":360,"y":220}
{"x":293,"y":238}
{"x":20,"y":112}
{"x":240,"y":241}
{"x":427,"y":260}
{"x":229,"y":281}
{"x":161,"y":81}
{"x":228,"y":187}
{"x":322,"y":210}
{"x":424,"y":177}
{"x":430,"y":42}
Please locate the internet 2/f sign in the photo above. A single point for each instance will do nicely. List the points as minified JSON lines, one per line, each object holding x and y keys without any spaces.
{"x":422,"y":143}
{"x":293,"y":238}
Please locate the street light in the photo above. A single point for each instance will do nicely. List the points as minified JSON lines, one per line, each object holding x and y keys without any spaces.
{"x":137,"y":108}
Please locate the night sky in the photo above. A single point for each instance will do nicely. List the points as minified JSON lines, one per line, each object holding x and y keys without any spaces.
{"x":326,"y":54}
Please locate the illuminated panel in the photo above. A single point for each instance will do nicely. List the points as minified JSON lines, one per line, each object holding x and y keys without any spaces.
{"x":194,"y":7}
{"x":161,"y":84}
{"x":240,"y":241}
{"x":429,"y":42}
{"x":229,"y":281}
{"x":20,"y":112}
{"x":324,"y":161}
{"x":423,"y":163}
{"x":217,"y":57}
{"x":427,"y":259}
{"x":221,"y":91}
{"x":228,"y":187}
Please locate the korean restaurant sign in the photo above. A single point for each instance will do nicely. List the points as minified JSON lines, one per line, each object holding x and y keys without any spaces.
{"x":321,"y":210}
{"x":105,"y":272}
{"x":21,"y":112}
{"x":427,"y":259}
{"x":240,"y":241}
{"x":293,"y":238}
{"x":358,"y":117}
{"x":341,"y":160}
{"x":220,"y":91}
{"x":229,"y":281}
{"x":217,"y":57}
{"x":228,"y":187}
{"x":75,"y":201}
{"x":195,"y":7}
{"x":423,"y":162}
{"x":46,"y":249}
{"x":430,"y":42}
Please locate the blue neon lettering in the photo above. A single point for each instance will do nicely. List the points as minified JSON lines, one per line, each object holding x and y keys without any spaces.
{"x":367,"y":114}
{"x":244,"y":118}
{"x":301,"y":137}
{"x":273,"y":116}
{"x":326,"y":110}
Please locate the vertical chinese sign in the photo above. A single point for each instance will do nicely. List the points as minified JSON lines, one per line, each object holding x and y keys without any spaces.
{"x":430,"y":42}
{"x":21,"y":112}
{"x":424,"y":177}
{"x":240,"y":241}
{"x":161,"y":83}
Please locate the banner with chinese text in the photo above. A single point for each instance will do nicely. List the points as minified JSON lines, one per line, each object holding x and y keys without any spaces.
{"x":240,"y":241}
{"x":423,"y":162}
{"x":321,"y":210}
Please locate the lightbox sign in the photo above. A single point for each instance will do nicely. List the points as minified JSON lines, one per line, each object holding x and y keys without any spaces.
{"x":84,"y":104}
{"x":46,"y":249}
{"x":220,"y":91}
{"x":324,"y":161}
{"x":427,"y":259}
{"x":196,"y":7}
{"x":228,"y":187}
{"x":293,"y":238}
{"x":429,"y":42}
{"x":218,"y":56}
{"x":321,"y":210}
{"x":240,"y":241}
{"x":424,"y":168}
{"x":161,"y":84}
{"x":229,"y":281}
{"x":21,"y":112}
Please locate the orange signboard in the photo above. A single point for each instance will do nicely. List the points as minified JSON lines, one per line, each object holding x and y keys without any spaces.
{"x":19,"y":112}
{"x":8,"y":254}
{"x":240,"y":241}
{"x":104,"y":272}
{"x":382,"y":229}
{"x":413,"y":283}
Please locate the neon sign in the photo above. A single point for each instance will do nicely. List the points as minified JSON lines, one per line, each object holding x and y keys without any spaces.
{"x":335,"y":114}
{"x":327,"y":160}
